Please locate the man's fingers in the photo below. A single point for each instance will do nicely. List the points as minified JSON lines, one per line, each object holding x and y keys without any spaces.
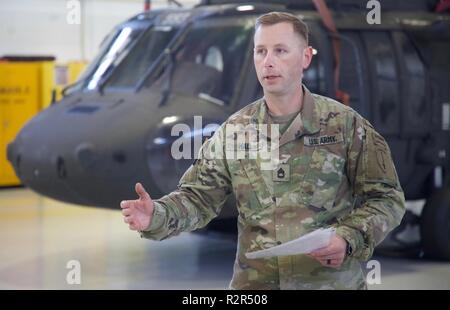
{"x":124,"y":204}
{"x":323,"y":252}
{"x":329,"y":261}
{"x":126,"y":212}
{"x":132,"y":226}
{"x":131,"y":223}
{"x":129,"y":204}
{"x":338,"y":255}
{"x":332,"y":263}
{"x":334,"y":266}
{"x":320,"y":252}
{"x":141,"y":191}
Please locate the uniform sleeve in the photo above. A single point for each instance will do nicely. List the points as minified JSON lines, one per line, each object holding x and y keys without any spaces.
{"x":372,"y":175}
{"x":201,"y":194}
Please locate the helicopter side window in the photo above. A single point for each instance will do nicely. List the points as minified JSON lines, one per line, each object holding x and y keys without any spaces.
{"x":415,"y":112}
{"x":204,"y":68}
{"x":209,"y":60}
{"x":141,"y":57}
{"x":213,"y":58}
{"x":354,"y":77}
{"x":385,"y":77}
{"x":112,"y":55}
{"x":313,"y":77}
{"x":112,"y":50}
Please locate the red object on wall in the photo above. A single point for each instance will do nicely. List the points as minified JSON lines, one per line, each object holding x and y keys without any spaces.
{"x":147,"y":5}
{"x":442,"y":6}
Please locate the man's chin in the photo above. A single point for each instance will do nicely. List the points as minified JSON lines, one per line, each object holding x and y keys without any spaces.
{"x":271,"y":90}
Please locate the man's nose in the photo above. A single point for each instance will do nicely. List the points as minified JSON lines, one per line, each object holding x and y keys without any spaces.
{"x":269,"y":60}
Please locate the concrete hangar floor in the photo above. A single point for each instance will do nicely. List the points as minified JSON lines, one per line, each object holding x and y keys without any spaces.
{"x":44,"y":242}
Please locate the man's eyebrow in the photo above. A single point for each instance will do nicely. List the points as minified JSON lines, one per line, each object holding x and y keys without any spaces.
{"x":276,"y":45}
{"x":281,"y":45}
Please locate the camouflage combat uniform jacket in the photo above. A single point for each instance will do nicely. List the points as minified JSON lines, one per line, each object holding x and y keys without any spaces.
{"x":340,"y":174}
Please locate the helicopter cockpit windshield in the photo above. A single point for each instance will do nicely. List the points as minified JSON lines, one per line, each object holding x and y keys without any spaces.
{"x":208,"y":61}
{"x":113,"y":48}
{"x":112,"y":55}
{"x":124,"y":55}
{"x":141,"y":57}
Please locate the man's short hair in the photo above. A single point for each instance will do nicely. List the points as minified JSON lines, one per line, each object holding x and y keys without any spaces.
{"x":273,"y":18}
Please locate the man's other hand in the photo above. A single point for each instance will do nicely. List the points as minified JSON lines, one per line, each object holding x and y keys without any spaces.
{"x":138,"y":213}
{"x":332,"y":255}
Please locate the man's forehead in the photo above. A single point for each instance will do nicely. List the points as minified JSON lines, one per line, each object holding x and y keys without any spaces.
{"x":285,"y":41}
{"x":279,"y":28}
{"x":277,"y":34}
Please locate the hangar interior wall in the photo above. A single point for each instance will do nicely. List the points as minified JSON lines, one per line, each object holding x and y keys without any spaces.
{"x":30,"y":27}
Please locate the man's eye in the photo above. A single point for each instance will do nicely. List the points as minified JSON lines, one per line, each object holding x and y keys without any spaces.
{"x":280,"y":50}
{"x":259,"y":52}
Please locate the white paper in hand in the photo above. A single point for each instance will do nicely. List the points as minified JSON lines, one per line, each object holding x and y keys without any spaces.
{"x":305,"y":244}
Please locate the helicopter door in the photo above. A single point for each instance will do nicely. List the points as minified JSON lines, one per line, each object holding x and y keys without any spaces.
{"x":319,"y":75}
{"x":384,"y":78}
{"x":354,"y":76}
{"x":416,"y":113}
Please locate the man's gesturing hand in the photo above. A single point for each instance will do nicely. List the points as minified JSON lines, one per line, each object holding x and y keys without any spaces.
{"x":138,"y":213}
{"x":332,"y":255}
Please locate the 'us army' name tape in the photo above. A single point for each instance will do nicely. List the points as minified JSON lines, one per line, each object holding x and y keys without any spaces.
{"x":322,"y":140}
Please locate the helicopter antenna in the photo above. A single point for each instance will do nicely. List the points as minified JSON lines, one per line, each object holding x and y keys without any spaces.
{"x":178,"y":4}
{"x":328,"y":21}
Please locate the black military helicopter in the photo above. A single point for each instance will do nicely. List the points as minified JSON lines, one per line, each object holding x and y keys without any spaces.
{"x":163,"y":67}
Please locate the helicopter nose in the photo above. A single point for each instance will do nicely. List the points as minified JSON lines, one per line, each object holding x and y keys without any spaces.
{"x":74,"y":167}
{"x":39,"y":166}
{"x":77,"y":154}
{"x":13,"y":157}
{"x":86,"y":155}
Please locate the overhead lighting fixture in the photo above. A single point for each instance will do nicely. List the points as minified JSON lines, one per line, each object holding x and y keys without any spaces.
{"x":243,"y":8}
{"x":159,"y":141}
{"x":415,"y":22}
{"x":169,"y":119}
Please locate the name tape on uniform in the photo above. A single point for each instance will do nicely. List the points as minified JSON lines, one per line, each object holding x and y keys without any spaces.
{"x":323,"y":140}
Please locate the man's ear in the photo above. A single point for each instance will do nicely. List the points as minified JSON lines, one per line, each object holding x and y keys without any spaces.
{"x":307,"y":57}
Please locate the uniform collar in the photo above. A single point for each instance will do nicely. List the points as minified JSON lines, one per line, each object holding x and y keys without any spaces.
{"x":307,"y":122}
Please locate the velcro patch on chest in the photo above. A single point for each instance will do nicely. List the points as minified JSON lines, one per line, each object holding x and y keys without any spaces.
{"x":323,"y":140}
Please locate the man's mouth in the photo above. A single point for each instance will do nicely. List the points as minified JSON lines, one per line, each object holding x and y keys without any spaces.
{"x":271,"y":77}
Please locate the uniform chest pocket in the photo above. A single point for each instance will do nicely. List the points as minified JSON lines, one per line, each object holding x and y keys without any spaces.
{"x":252,"y":194}
{"x":323,"y":178}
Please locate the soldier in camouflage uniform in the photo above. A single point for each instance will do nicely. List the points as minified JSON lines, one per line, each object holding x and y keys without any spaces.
{"x":333,"y":170}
